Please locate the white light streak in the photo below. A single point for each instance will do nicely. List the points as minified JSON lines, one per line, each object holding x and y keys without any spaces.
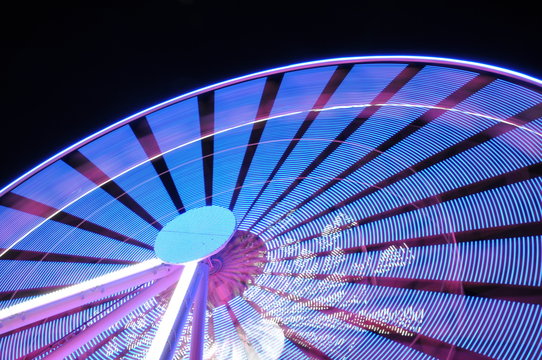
{"x":172,"y":312}
{"x":85,"y":292}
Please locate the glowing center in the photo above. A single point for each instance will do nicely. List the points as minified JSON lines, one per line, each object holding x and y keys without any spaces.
{"x":194,"y":235}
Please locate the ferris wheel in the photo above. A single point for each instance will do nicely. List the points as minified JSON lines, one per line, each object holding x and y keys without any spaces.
{"x":355,"y":208}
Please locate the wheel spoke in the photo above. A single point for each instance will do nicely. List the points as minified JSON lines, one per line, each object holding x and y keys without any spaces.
{"x":170,"y":328}
{"x":198,"y":318}
{"x":74,"y":342}
{"x":86,"y":292}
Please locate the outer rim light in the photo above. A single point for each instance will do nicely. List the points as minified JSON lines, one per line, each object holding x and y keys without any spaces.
{"x":326,"y":62}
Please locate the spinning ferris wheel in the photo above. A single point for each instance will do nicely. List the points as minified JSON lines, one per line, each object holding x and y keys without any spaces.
{"x":355,"y":208}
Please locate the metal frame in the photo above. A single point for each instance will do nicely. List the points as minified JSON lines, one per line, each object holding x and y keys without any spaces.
{"x":77,"y":340}
{"x":78,"y":295}
{"x":174,"y":319}
{"x":197,"y":341}
{"x":190,"y":281}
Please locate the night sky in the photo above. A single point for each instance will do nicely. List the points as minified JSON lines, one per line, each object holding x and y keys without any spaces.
{"x":70,"y":70}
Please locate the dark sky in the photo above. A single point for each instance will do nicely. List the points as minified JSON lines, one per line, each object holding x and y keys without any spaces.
{"x":70,"y":70}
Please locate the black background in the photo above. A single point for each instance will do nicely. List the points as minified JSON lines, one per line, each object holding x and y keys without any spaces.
{"x":69,"y":70}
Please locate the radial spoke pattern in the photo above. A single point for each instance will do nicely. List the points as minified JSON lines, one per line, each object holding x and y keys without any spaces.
{"x":387,"y":208}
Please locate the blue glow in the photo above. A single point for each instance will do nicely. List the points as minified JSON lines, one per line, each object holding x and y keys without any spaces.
{"x":74,"y":241}
{"x":299,"y":90}
{"x":44,"y":274}
{"x":109,"y":214}
{"x":234,"y":105}
{"x":186,"y":168}
{"x":362,"y":82}
{"x":56,"y":185}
